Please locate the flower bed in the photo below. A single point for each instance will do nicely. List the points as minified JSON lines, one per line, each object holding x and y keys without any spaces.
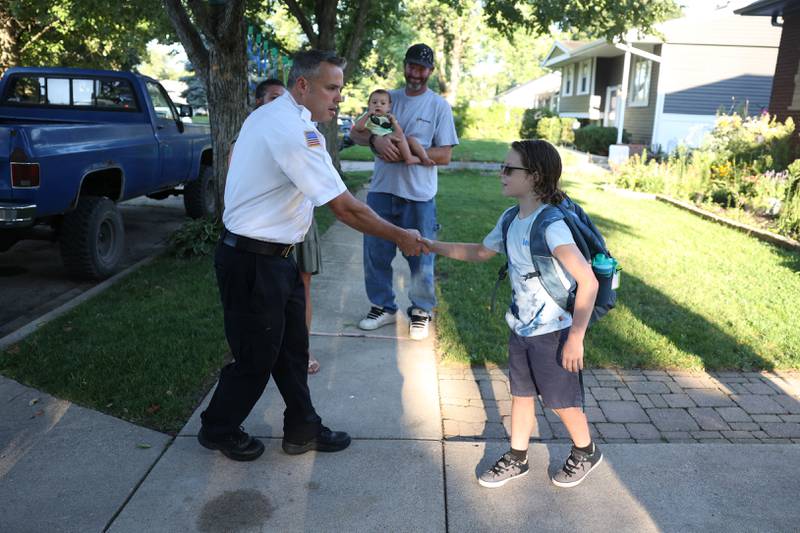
{"x":743,"y":168}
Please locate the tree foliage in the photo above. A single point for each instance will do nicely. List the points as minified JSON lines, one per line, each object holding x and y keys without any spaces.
{"x":595,"y":18}
{"x":85,"y":33}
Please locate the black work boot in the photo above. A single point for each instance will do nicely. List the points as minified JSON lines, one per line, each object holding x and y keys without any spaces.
{"x":325,"y":441}
{"x":238,"y":445}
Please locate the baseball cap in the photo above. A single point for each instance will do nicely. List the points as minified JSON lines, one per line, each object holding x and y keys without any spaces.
{"x":420,"y":54}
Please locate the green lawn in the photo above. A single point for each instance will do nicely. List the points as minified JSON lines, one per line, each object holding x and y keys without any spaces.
{"x":467,"y":150}
{"x":146,"y":350}
{"x":694,"y":294}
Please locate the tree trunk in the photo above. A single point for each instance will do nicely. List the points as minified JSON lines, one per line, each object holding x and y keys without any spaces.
{"x":214,"y":40}
{"x":455,"y":68}
{"x":227,"y":105}
{"x":9,"y":41}
{"x":441,"y":60}
{"x":325,"y":14}
{"x":326,"y":24}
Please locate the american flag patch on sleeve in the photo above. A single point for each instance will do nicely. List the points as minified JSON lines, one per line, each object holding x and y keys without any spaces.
{"x":312,"y":138}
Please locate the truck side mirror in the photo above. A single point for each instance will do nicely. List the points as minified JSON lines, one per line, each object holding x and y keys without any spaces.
{"x":185,"y":110}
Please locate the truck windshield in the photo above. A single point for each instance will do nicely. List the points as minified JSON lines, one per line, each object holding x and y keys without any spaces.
{"x":105,"y":94}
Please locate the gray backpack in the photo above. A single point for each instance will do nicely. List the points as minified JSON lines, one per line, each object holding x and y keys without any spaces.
{"x":589,"y":241}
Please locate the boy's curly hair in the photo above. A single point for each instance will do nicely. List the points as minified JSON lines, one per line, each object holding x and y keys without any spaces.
{"x":544,"y":165}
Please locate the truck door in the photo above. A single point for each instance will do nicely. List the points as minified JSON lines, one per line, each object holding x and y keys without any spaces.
{"x":174,"y":147}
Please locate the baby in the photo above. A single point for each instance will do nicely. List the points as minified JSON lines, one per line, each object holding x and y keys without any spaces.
{"x":379,"y":121}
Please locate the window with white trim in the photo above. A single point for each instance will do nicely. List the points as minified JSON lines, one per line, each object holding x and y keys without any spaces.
{"x":638,"y":95}
{"x":584,"y":77}
{"x":567,"y":80}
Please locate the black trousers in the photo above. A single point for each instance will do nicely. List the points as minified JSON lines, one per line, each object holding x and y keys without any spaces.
{"x":264,"y":308}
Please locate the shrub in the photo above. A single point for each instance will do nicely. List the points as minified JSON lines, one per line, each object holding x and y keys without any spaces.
{"x":760,"y":142}
{"x":496,"y":121}
{"x":556,"y":130}
{"x":642,"y":174}
{"x":789,"y":220}
{"x":596,"y":139}
{"x":195,"y":238}
{"x":460,"y":118}
{"x":530,"y":120}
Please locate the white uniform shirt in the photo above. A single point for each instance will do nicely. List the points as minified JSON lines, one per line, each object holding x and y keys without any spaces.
{"x":279,"y":171}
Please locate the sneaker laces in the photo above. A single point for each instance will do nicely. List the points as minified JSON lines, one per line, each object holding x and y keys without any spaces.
{"x":419,"y":321}
{"x":375,"y":312}
{"x":502,"y":464}
{"x":571,"y":465}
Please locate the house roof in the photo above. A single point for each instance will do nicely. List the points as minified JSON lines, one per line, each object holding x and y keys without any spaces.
{"x":584,"y":49}
{"x":721,"y":28}
{"x":545,"y":84}
{"x":769,"y":8}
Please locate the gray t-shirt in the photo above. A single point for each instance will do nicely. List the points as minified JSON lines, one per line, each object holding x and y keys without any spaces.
{"x":429,"y":119}
{"x":532,"y":312}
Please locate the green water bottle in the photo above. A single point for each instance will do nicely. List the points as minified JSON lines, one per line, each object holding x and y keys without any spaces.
{"x":604,"y":266}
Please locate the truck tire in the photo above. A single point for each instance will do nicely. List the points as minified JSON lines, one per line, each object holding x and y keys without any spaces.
{"x":92,"y":238}
{"x":200,"y":195}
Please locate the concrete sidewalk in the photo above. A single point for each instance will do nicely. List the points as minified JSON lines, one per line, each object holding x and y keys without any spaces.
{"x":75,"y":470}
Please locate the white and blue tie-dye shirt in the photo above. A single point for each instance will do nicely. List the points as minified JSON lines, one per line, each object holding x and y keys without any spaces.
{"x":532,"y":312}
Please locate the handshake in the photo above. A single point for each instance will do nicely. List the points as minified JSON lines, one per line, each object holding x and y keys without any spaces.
{"x":412,"y":243}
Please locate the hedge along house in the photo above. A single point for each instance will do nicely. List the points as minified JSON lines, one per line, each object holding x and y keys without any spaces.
{"x":672,"y":84}
{"x":785,"y":99}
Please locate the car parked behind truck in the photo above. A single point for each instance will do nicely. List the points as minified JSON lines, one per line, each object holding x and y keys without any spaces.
{"x":75,"y":142}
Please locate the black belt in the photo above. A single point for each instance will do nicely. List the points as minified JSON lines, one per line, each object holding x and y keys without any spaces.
{"x":255,"y":246}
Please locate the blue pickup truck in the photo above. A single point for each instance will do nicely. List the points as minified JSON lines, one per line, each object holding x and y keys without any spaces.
{"x":75,"y":142}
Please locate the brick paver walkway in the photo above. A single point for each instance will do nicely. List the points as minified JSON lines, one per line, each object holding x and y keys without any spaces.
{"x":635,"y":406}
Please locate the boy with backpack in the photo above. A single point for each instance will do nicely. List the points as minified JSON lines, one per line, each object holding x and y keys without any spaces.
{"x":545,"y":351}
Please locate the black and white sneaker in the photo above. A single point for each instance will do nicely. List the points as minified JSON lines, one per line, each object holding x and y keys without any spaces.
{"x":376,"y":318}
{"x":504,"y":470}
{"x":420,"y":322}
{"x":577,"y":467}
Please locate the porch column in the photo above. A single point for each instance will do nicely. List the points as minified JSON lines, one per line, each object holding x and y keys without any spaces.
{"x":622,"y":97}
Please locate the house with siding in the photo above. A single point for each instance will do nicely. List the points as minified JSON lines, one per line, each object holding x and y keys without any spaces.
{"x":785,"y":98}
{"x":672,"y":83}
{"x":539,"y":93}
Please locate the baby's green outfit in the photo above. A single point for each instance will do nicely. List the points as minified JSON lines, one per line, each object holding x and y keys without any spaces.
{"x":380,"y":125}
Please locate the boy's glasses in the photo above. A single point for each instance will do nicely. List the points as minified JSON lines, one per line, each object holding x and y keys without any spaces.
{"x":507,"y":169}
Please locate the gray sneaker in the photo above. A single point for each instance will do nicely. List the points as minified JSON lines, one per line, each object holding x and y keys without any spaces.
{"x":577,"y":467}
{"x":504,"y":470}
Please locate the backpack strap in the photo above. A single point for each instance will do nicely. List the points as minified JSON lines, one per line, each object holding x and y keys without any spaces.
{"x":543,"y":260}
{"x":577,"y":234}
{"x":508,"y":218}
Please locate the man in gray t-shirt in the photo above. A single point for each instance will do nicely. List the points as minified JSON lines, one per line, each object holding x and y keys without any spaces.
{"x":404,"y":194}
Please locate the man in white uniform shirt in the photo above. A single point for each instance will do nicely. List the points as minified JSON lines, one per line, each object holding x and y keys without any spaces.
{"x":279,"y":171}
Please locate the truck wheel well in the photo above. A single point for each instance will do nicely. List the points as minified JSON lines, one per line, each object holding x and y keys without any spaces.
{"x":106,"y":182}
{"x":207,"y":158}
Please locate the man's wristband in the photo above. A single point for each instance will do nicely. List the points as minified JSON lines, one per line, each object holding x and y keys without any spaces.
{"x":372,"y":141}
